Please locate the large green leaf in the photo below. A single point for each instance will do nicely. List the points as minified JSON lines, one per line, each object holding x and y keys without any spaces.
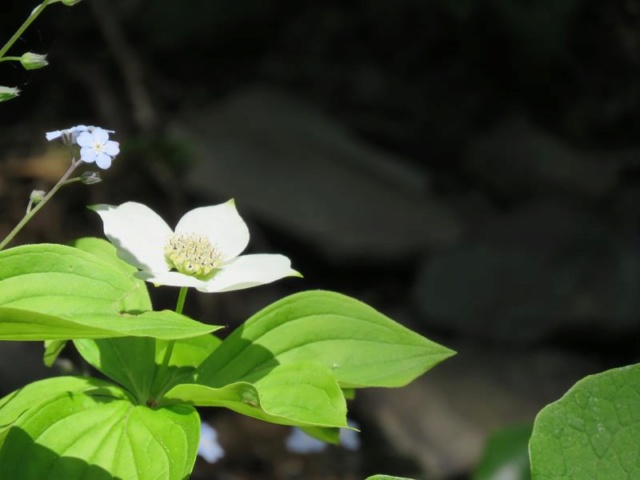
{"x":107,"y":252}
{"x":129,"y":361}
{"x":187,"y":355}
{"x":361,"y":346}
{"x":592,"y":432}
{"x":35,"y":394}
{"x":65,"y":281}
{"x":79,"y":436}
{"x":23,"y":325}
{"x":55,"y":292}
{"x":135,"y":362}
{"x":302,"y":394}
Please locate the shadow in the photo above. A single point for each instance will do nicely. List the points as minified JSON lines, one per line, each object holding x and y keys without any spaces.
{"x":236,"y":359}
{"x":131,"y":363}
{"x":21,"y":457}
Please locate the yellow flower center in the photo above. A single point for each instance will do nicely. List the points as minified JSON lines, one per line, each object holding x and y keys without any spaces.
{"x":192,"y":254}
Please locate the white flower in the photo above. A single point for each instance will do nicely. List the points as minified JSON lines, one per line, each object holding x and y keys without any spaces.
{"x":203,"y":252}
{"x":95,"y":146}
{"x":209,"y":448}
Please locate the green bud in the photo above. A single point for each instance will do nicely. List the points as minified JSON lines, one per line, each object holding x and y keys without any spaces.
{"x":33,"y":61}
{"x":7,"y":93}
{"x":90,"y":178}
{"x":70,"y":3}
{"x":37,"y":196}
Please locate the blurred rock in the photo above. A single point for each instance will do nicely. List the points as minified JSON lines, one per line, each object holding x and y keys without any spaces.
{"x":301,"y":171}
{"x":518,"y":159}
{"x":538,"y":270}
{"x":443,"y":419}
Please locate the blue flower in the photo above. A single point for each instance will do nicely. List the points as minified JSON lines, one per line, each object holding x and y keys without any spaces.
{"x":70,"y":135}
{"x":209,"y":448}
{"x":95,"y":146}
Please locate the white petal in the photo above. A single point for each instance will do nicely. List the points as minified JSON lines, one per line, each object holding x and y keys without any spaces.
{"x":138,"y":233}
{"x":172,"y":279}
{"x":249,"y":271}
{"x":84,"y":139}
{"x":88,"y":154}
{"x":112,"y":148}
{"x":53,"y":135}
{"x":100,"y":136}
{"x":103,"y":160}
{"x":221,"y":224}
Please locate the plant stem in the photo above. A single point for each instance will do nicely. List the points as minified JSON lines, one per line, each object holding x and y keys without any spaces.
{"x":181,"y":298}
{"x":171,"y":343}
{"x":38,"y":10}
{"x":29,"y":215}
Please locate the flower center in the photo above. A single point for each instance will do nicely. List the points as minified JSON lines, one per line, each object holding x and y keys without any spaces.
{"x":192,"y":254}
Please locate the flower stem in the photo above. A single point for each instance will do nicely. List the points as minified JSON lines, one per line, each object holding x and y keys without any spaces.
{"x":181,"y":298}
{"x":171,"y":343}
{"x":38,"y":10}
{"x":29,"y":215}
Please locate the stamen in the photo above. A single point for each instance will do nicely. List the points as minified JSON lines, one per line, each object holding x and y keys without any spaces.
{"x":192,"y":254}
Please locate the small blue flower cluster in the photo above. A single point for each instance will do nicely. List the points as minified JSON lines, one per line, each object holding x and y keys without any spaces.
{"x":94,"y":143}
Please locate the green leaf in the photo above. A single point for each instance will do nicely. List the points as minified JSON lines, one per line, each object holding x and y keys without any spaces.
{"x":79,"y":436}
{"x":129,"y":361}
{"x":190,"y":352}
{"x":361,"y":346}
{"x":107,"y":252}
{"x":386,"y":477}
{"x":36,"y":394}
{"x":592,"y":432}
{"x":53,"y":348}
{"x":325,"y":434}
{"x":506,"y":451}
{"x":134,"y":362}
{"x":65,"y":281}
{"x":28,"y":325}
{"x":55,"y":292}
{"x":300,"y":394}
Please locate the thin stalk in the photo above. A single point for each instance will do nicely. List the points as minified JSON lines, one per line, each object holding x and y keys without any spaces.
{"x":24,"y":26}
{"x":182,"y":296}
{"x":171,"y":343}
{"x":62,"y":182}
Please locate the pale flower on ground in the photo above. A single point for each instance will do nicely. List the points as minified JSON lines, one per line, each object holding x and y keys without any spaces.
{"x":209,"y":448}
{"x":203,"y":252}
{"x":301,"y":442}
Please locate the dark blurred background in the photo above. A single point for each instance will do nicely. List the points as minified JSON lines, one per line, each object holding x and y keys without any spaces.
{"x":469,"y":167}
